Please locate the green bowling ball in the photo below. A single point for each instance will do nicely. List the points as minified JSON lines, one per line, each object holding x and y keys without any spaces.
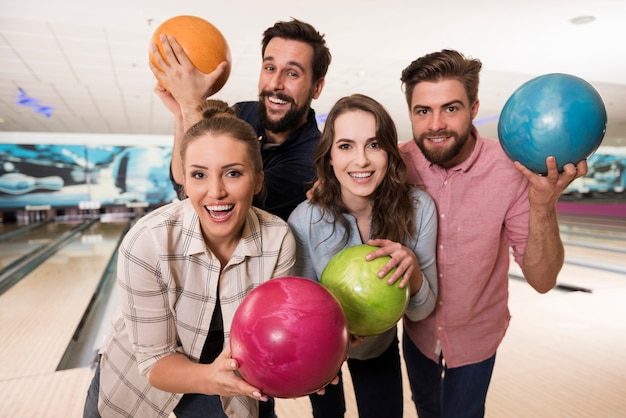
{"x":370,"y":304}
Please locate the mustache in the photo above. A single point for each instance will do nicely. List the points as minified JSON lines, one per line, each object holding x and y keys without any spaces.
{"x":435,"y":134}
{"x":279,"y":95}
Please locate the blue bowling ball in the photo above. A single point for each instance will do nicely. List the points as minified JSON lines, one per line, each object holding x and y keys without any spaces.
{"x":556,"y":115}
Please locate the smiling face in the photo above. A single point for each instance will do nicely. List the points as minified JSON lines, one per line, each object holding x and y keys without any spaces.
{"x":286,"y":86}
{"x":441,"y":118}
{"x":220,"y":182}
{"x":357,"y":159}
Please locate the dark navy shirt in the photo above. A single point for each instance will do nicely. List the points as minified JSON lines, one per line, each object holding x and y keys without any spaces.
{"x":288,"y":167}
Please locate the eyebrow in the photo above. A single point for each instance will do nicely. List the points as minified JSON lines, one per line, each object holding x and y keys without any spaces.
{"x":447,"y":104}
{"x":367,"y":141}
{"x":223,"y":167}
{"x":289,"y":63}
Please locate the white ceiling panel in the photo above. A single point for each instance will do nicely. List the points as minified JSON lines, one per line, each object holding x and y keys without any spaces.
{"x":88,"y":59}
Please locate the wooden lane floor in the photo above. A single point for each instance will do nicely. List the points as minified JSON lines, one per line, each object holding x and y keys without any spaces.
{"x":598,"y":242}
{"x":577,"y":228}
{"x":39,"y":317}
{"x":564,"y":354}
{"x":9,"y":227}
{"x":21,"y":245}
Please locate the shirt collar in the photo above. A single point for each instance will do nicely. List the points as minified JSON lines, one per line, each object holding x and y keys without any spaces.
{"x":467,"y":164}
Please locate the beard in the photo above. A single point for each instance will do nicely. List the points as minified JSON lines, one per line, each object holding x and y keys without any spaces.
{"x":292,"y":119}
{"x":443,"y":155}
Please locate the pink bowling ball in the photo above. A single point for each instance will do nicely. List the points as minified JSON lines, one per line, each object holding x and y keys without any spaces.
{"x":290,"y":337}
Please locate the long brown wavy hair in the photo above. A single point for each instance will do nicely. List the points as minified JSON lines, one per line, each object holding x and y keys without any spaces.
{"x":393,"y":209}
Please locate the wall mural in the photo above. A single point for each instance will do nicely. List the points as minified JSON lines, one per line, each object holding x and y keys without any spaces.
{"x":83,"y":176}
{"x":89,"y":177}
{"x":606,"y":176}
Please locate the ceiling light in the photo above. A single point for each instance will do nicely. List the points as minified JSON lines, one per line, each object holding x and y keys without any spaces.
{"x":582,"y":20}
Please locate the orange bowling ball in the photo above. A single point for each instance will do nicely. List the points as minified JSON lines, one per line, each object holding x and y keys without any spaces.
{"x":203,"y":43}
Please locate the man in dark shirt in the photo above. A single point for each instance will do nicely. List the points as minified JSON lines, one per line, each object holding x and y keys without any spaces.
{"x":288,"y":167}
{"x":295,"y":62}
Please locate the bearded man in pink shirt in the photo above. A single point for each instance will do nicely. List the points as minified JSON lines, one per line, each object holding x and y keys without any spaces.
{"x":486,"y":205}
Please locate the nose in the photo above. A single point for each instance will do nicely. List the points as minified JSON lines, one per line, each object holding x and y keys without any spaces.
{"x":276,"y":81}
{"x":362,"y":159}
{"x":436,"y":122}
{"x":215,"y":188}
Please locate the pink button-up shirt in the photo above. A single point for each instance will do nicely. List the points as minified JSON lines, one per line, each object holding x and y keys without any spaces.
{"x":483,"y":211}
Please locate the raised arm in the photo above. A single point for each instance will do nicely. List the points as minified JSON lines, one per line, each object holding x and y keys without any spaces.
{"x":544,"y":254}
{"x":186,"y":88}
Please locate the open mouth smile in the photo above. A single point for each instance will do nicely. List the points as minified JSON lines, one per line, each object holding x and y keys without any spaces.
{"x":219,"y":212}
{"x":361,"y":175}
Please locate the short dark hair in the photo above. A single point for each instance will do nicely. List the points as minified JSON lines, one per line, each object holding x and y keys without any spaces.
{"x":296,"y":30}
{"x":445,"y":64}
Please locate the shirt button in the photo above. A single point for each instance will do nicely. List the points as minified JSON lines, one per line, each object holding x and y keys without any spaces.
{"x":443,"y":215}
{"x":439,"y":328}
{"x":441,"y":246}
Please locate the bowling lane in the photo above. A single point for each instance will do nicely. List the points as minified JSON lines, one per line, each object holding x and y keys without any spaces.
{"x":595,"y":242}
{"x":564,"y":354}
{"x":16,"y":248}
{"x":601,"y":258}
{"x":590,"y":229}
{"x":41,"y":312}
{"x":9,"y":227}
{"x":616,"y":243}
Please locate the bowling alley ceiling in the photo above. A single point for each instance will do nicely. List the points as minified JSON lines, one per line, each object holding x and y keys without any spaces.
{"x":80,"y":66}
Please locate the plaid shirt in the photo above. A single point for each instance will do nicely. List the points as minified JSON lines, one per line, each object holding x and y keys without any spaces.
{"x":167,"y":283}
